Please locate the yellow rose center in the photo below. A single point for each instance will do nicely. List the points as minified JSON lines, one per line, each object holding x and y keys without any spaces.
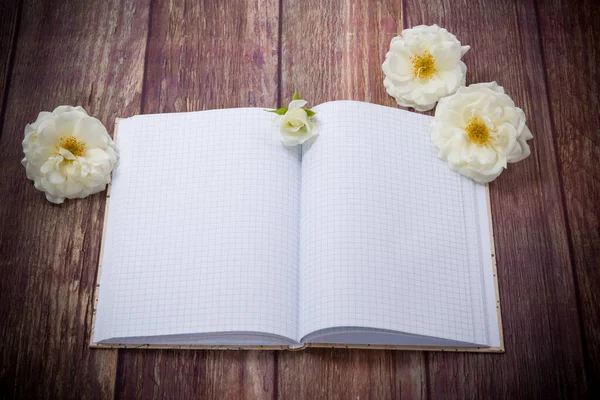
{"x":478,"y":132}
{"x":423,"y":65}
{"x":76,"y":147}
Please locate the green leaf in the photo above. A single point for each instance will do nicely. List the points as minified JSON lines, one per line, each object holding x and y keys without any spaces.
{"x":310,"y":112}
{"x":279,"y":111}
{"x":296,"y":95}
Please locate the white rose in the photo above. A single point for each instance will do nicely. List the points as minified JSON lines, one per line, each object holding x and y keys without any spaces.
{"x":479,"y":130}
{"x":295,"y":125}
{"x":423,"y":65}
{"x":68,"y":154}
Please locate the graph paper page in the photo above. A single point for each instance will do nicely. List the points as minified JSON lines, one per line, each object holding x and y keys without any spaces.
{"x":202,"y":230}
{"x":390,"y":237}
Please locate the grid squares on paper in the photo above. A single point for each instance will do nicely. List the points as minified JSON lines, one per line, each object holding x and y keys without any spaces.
{"x":389,"y":237}
{"x":202,"y":231}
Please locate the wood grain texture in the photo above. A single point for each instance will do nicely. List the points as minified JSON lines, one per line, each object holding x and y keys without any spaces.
{"x":68,"y":52}
{"x":544,"y":353}
{"x":569,"y":39}
{"x":351,"y":374}
{"x":206,"y":55}
{"x":9,"y":18}
{"x":334,"y":51}
{"x":122,"y":57}
{"x":151,"y":374}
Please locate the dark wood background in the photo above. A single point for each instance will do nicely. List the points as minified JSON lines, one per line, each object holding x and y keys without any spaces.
{"x":123,"y":57}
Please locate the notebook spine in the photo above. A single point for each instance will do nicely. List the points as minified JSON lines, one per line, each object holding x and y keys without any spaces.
{"x":297,"y":347}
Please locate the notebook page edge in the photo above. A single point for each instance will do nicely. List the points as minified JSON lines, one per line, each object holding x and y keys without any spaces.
{"x":93,"y":331}
{"x":491,"y":273}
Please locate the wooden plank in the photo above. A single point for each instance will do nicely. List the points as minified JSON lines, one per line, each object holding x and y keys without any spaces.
{"x":544,"y":357}
{"x":68,"y":52}
{"x":569,"y":35}
{"x":333,"y":50}
{"x":206,"y":55}
{"x":341,"y":57}
{"x":351,"y":374}
{"x":9,"y":18}
{"x":178,"y":374}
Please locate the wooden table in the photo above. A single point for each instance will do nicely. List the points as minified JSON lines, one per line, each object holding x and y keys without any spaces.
{"x":123,"y":57}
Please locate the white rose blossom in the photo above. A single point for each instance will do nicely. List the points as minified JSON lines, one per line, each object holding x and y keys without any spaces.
{"x":479,"y":130}
{"x":68,"y":154}
{"x":423,"y":65}
{"x":295,"y":125}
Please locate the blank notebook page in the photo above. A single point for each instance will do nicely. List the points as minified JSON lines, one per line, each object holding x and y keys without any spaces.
{"x":390,"y":237}
{"x":202,"y":230}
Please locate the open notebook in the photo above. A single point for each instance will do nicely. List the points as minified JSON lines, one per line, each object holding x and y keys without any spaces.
{"x":218,"y":236}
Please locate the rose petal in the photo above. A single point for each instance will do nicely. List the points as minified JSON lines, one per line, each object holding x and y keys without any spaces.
{"x":482,"y":162}
{"x":422,"y":93}
{"x":294,"y":104}
{"x":67,"y":155}
{"x":65,"y":123}
{"x":91,"y":132}
{"x":44,"y":160}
